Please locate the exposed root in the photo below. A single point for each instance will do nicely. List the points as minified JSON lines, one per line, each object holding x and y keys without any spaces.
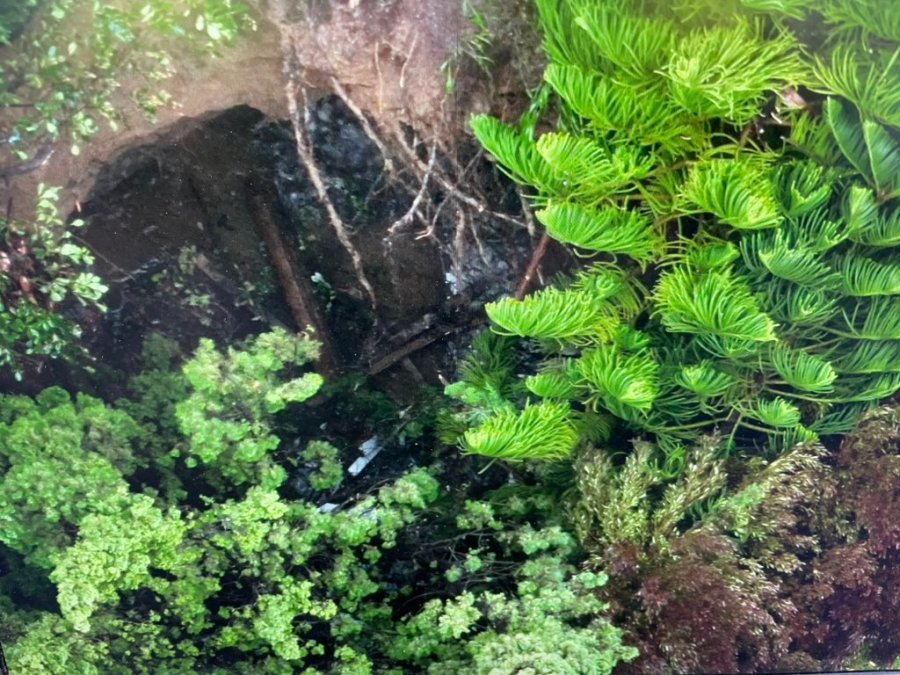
{"x":408,"y":58}
{"x":526,"y":212}
{"x":459,"y":242}
{"x":304,"y":152}
{"x":478,"y":243}
{"x":451,"y":188}
{"x":364,"y":121}
{"x":413,"y":210}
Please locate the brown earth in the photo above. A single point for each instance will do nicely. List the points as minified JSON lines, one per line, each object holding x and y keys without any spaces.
{"x":386,"y":54}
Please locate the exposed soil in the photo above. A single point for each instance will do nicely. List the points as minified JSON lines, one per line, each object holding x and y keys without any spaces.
{"x":438,"y":230}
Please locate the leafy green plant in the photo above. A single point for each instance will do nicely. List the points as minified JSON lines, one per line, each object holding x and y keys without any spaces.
{"x":551,"y":623}
{"x":735,"y":283}
{"x":138,"y":560}
{"x":226,"y":418}
{"x":42,"y":266}
{"x":61,"y":78}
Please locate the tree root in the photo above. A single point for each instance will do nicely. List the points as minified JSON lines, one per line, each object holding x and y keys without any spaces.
{"x":304,"y":152}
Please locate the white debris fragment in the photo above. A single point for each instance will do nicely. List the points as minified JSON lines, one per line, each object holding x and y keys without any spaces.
{"x":328,"y":507}
{"x":452,"y":282}
{"x":369,"y":450}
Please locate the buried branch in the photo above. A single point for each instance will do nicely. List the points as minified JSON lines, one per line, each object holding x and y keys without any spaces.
{"x":298,"y":291}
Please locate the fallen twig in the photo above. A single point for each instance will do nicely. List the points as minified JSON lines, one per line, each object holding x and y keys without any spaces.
{"x":305,"y":154}
{"x":532,"y":268}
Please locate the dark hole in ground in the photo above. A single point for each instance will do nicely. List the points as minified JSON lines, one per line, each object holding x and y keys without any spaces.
{"x":174,"y":233}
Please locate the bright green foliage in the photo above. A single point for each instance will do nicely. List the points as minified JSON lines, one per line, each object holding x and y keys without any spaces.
{"x":114,"y":553}
{"x":541,"y":431}
{"x":724,"y":71}
{"x":226,"y":418}
{"x":771,"y":272}
{"x":62,"y":461}
{"x":611,"y":230}
{"x":41,"y":266}
{"x":171,"y":581}
{"x":329,"y":473}
{"x":552,"y":624}
{"x":61,"y":78}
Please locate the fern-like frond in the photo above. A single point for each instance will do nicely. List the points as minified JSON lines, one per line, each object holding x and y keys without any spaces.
{"x":621,"y":380}
{"x":726,"y":71}
{"x":869,"y":358}
{"x":741,"y":194}
{"x":775,"y":412}
{"x":815,"y":231}
{"x":705,"y":380}
{"x":880,"y":320}
{"x":490,"y":362}
{"x":869,"y":389}
{"x":592,"y":426}
{"x":860,"y":211}
{"x":797,"y":265}
{"x":544,"y":431}
{"x":883,"y":231}
{"x":840,"y":420}
{"x":552,"y":313}
{"x":610,"y":230}
{"x":877,"y":17}
{"x":564,"y":41}
{"x":884,"y":159}
{"x":557,"y":381}
{"x":516,"y":152}
{"x":864,"y":277}
{"x":870,"y":82}
{"x":642,"y":114}
{"x":802,"y":370}
{"x":801,"y":187}
{"x":634,"y":46}
{"x":796,"y":306}
{"x":628,"y":339}
{"x":610,"y":283}
{"x":705,"y":257}
{"x":715,"y":303}
{"x":812,"y":135}
{"x":786,"y":439}
{"x":589,"y":169}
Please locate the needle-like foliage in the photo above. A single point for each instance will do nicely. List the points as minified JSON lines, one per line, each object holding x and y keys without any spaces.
{"x":743,"y":284}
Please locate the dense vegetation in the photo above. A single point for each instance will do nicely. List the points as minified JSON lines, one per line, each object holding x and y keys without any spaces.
{"x":162,"y":535}
{"x":697,"y":473}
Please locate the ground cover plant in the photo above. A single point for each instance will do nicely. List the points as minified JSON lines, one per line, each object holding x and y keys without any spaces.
{"x":690,"y":465}
{"x":167,"y":534}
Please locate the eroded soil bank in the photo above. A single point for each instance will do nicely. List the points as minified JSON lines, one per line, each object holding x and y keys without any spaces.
{"x":395,"y":221}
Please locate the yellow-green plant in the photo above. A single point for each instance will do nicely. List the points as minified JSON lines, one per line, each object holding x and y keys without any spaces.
{"x":743,"y":267}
